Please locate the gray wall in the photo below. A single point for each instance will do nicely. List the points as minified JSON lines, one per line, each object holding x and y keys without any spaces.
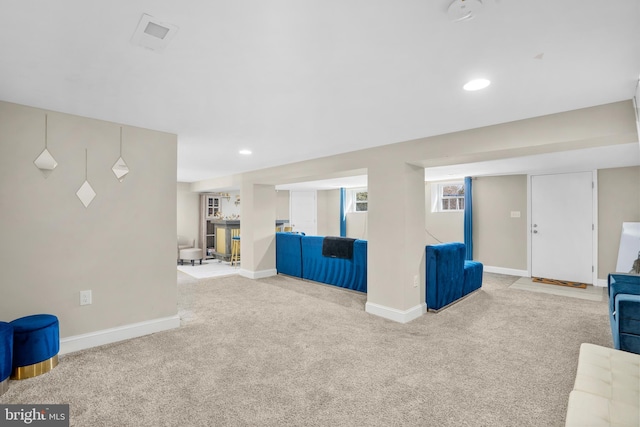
{"x":229,"y":207}
{"x":357,"y":225}
{"x":122,"y":247}
{"x":442,"y":226}
{"x":498,"y":239}
{"x":328,"y":203}
{"x":501,"y":241}
{"x":188,"y":212}
{"x":618,"y":202}
{"x":282,"y":204}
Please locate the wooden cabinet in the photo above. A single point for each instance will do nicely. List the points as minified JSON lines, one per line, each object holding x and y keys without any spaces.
{"x":210,"y":240}
{"x":212,"y":206}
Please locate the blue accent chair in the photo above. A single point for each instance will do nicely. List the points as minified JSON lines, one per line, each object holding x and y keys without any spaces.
{"x":6,"y":355}
{"x":624,"y":311}
{"x":36,"y":338}
{"x":449,"y":276}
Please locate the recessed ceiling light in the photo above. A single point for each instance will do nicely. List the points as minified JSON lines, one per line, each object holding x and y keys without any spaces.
{"x":476,"y":84}
{"x":245,"y":152}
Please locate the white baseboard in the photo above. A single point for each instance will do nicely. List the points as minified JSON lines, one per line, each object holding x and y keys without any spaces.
{"x":602,"y":283}
{"x":453,"y":302}
{"x":108,"y":336}
{"x":401,"y":316}
{"x":258,"y":274}
{"x":508,"y":271}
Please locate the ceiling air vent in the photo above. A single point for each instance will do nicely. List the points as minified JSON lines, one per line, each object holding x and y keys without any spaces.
{"x":153,"y":34}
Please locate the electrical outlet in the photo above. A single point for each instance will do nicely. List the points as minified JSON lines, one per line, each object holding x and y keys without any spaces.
{"x":416,"y":280}
{"x":515,"y":214}
{"x":85,"y":297}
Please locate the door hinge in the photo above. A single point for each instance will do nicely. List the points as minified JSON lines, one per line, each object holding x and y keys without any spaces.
{"x":593,"y":269}
{"x":593,"y":184}
{"x":593,"y":226}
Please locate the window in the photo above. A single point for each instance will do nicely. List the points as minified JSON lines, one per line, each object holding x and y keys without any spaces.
{"x":356,"y":200}
{"x":361,"y":201}
{"x":447,"y":196}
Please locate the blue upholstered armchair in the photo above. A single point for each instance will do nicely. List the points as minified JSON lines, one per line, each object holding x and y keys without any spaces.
{"x":449,"y":276}
{"x":624,"y":311}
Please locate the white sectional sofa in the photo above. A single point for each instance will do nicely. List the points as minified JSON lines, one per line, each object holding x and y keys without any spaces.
{"x":606,"y":390}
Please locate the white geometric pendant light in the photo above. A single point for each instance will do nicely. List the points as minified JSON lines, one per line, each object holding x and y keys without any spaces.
{"x":45,"y":161}
{"x":85,"y":193}
{"x":120,"y":168}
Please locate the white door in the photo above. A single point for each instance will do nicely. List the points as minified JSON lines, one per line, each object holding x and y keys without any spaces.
{"x":562,"y":228}
{"x":303,"y":212}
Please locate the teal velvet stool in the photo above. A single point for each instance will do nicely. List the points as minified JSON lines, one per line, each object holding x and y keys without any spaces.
{"x":6,"y":355}
{"x":36,"y":342}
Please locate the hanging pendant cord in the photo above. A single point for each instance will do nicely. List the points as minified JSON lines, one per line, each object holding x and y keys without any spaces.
{"x":45,"y":131}
{"x":86,"y":162}
{"x":120,"y":141}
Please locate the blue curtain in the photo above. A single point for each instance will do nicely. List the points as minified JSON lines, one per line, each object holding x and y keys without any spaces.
{"x":343,"y":213}
{"x":468,"y":219}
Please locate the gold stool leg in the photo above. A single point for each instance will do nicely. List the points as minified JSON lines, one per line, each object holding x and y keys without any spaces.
{"x":29,"y":371}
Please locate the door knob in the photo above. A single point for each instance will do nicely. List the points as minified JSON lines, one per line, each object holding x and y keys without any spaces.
{"x":535,"y":231}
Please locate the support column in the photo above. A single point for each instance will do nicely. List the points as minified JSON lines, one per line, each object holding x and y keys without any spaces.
{"x":257,"y":230}
{"x":396,"y":241}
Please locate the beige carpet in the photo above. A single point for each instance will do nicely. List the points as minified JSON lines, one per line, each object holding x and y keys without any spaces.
{"x":591,"y":293}
{"x":282,"y":352}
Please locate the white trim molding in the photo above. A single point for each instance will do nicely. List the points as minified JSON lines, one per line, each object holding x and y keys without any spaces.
{"x":257,"y":274}
{"x":602,"y":283}
{"x":120,"y":333}
{"x":508,"y":271}
{"x":401,"y":316}
{"x":594,"y":227}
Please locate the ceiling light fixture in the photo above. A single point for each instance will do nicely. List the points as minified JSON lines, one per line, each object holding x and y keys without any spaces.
{"x":463,"y":10}
{"x":245,"y":152}
{"x":476,"y":84}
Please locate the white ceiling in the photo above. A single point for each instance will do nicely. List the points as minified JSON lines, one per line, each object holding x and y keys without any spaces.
{"x":294,"y":80}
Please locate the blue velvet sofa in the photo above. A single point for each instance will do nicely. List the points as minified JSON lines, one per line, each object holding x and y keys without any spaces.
{"x":624,"y":311}
{"x":6,"y":355}
{"x":302,"y":256}
{"x":449,"y":276}
{"x":289,"y":254}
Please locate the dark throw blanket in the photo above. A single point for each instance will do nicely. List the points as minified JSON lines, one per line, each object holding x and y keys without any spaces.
{"x":338,"y":247}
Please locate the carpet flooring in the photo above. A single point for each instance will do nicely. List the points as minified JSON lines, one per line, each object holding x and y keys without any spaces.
{"x":283,"y":352}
